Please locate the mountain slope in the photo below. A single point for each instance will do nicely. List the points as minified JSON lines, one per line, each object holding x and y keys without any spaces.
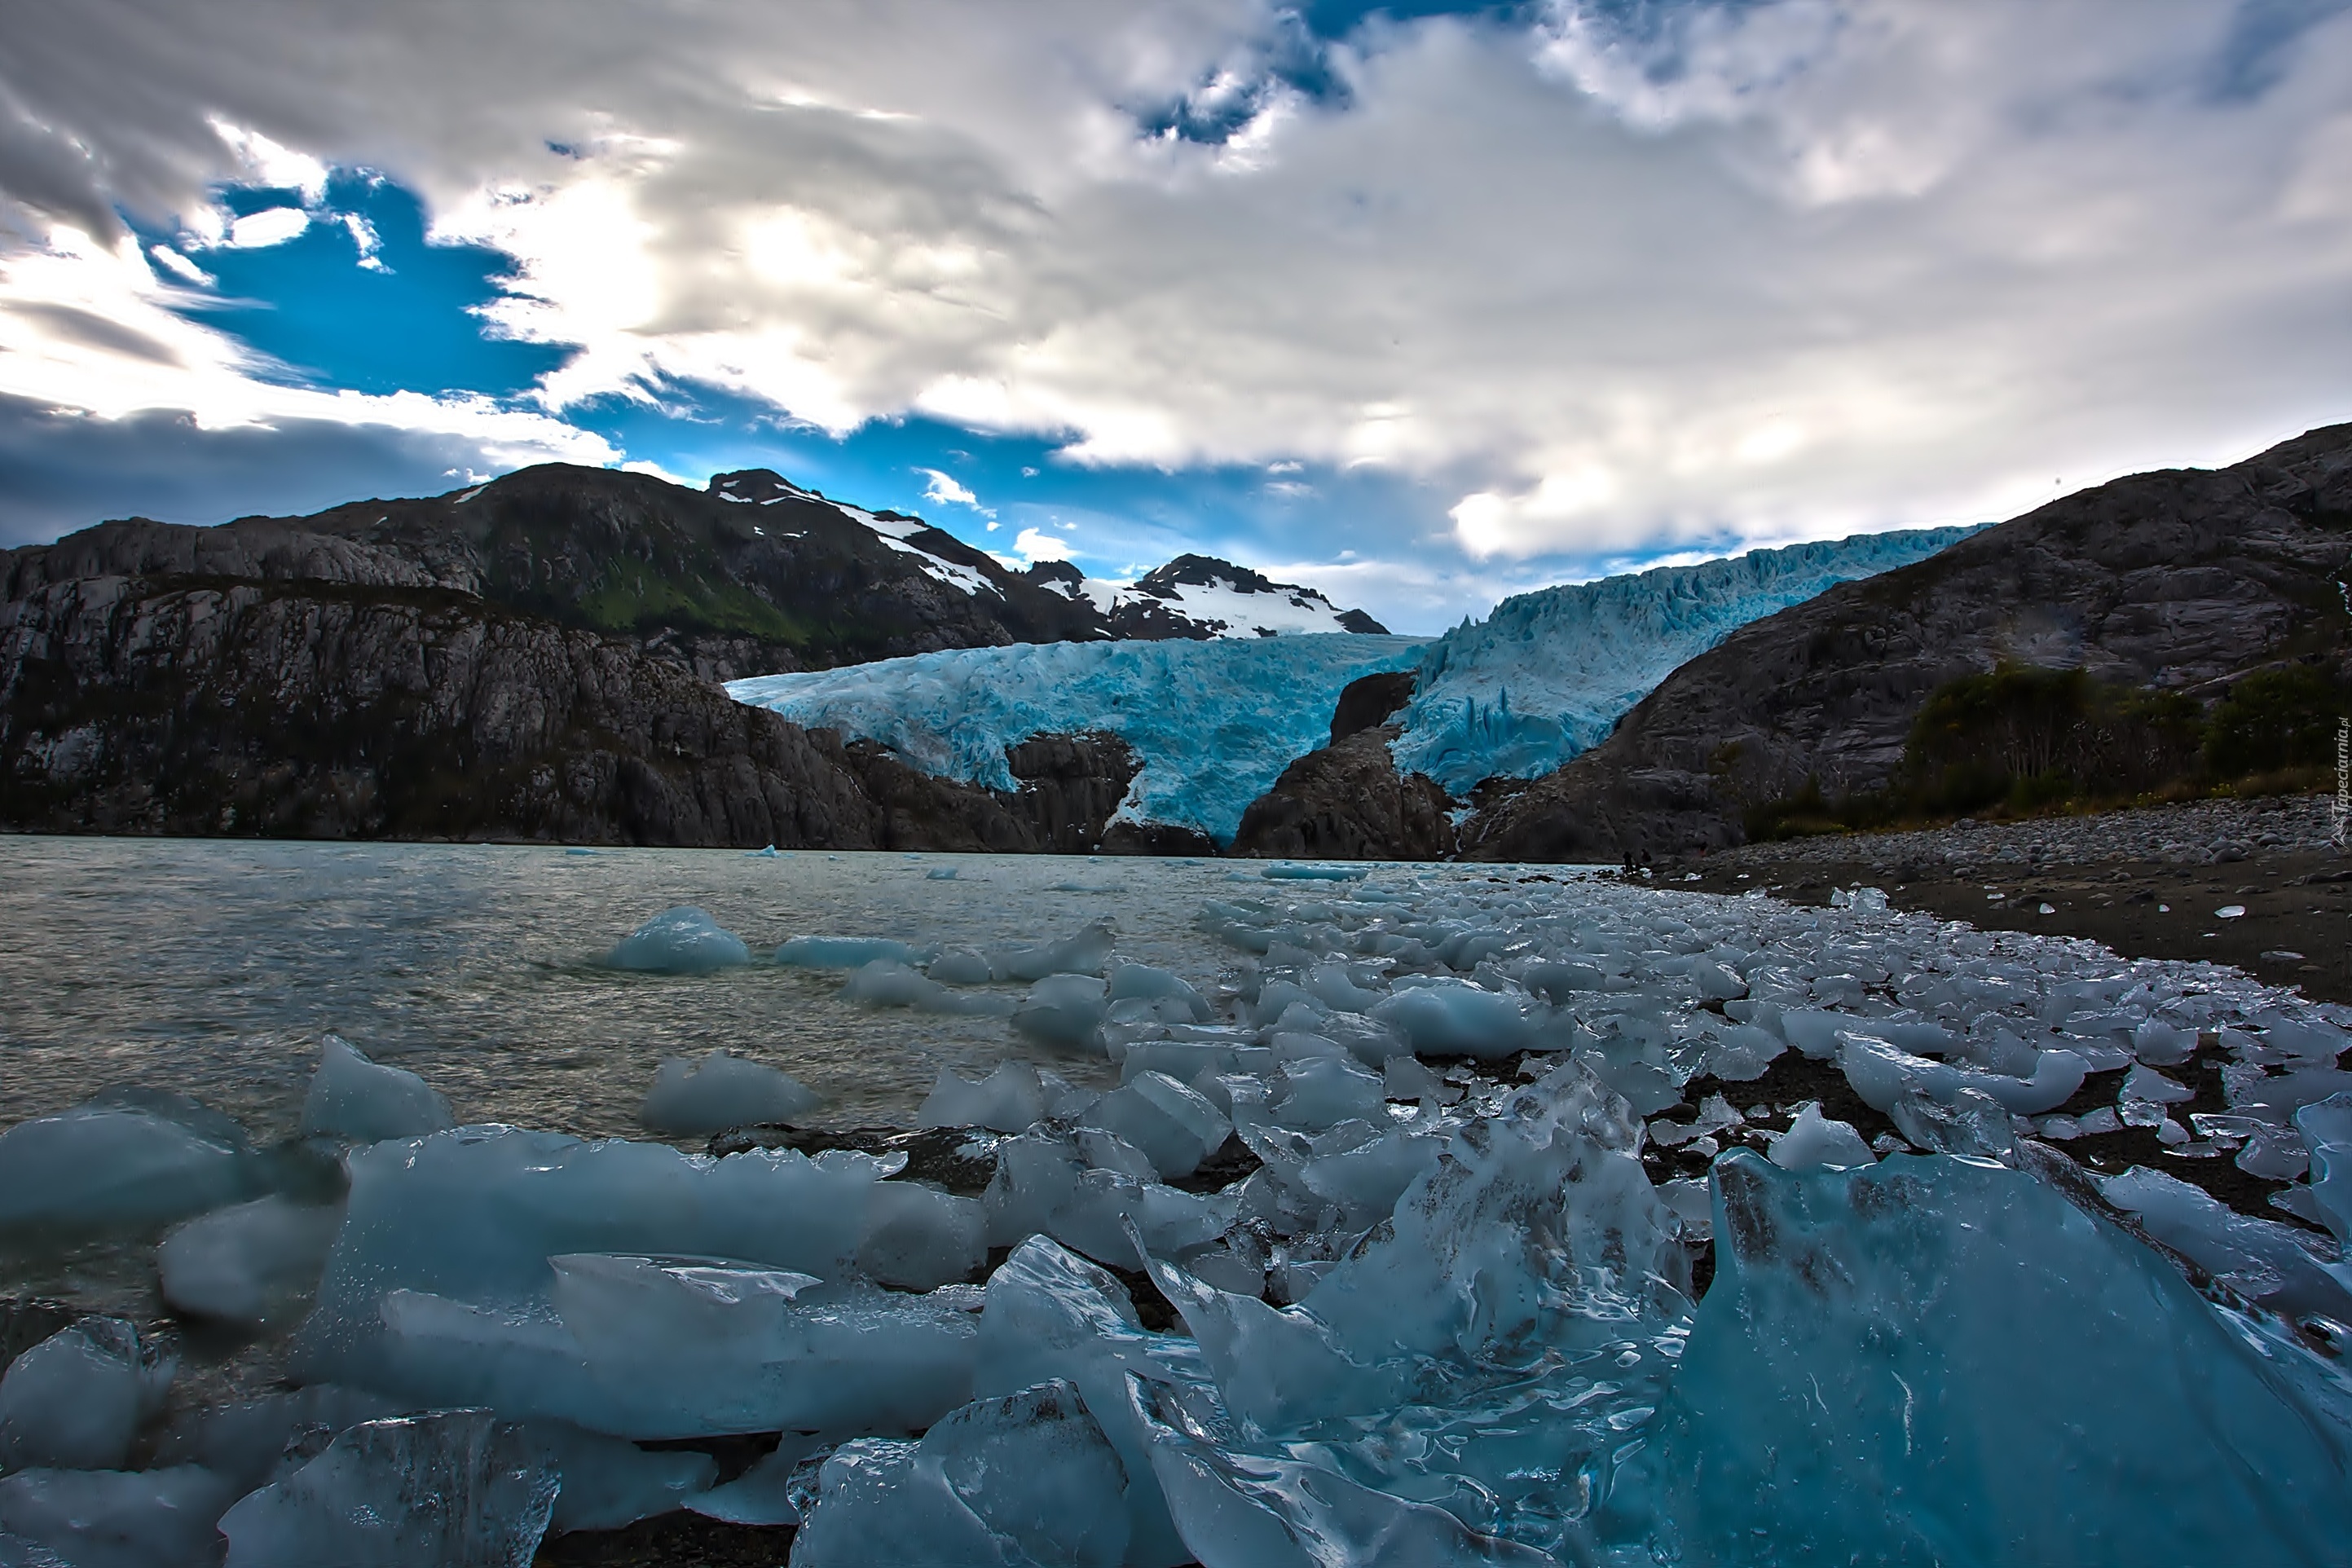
{"x":2175,"y":581}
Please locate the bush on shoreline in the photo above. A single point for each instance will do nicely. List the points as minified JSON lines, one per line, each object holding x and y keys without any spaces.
{"x":2017,"y":741}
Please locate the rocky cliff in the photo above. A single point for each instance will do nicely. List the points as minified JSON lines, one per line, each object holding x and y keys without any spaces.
{"x":265,"y":683}
{"x":2179,"y":580}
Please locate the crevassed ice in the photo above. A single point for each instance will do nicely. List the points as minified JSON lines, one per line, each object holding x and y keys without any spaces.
{"x":1213,"y":722}
{"x":1547,"y":674}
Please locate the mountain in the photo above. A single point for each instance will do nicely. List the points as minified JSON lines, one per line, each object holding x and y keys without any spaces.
{"x":530,"y":657}
{"x":1200,"y":596}
{"x":2169,"y":591}
{"x":1546,"y":675}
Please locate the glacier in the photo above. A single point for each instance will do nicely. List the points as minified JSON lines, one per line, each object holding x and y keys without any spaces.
{"x":1214,"y":723}
{"x":1543,"y":677}
{"x":1547,"y":674}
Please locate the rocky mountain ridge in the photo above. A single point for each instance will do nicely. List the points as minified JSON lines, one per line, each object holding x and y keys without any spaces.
{"x":2181,"y":580}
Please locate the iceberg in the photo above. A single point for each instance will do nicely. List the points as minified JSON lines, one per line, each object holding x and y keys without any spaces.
{"x":453,"y":1490}
{"x":1546,"y":675}
{"x":1011,"y":1098}
{"x":252,"y":1263}
{"x":112,"y":1518}
{"x":1939,"y":1360}
{"x":1022,"y":1479}
{"x":126,"y":1160}
{"x":352,"y":1097}
{"x":680,"y":941}
{"x":1213,"y":723}
{"x":76,"y":1400}
{"x":719,"y":1091}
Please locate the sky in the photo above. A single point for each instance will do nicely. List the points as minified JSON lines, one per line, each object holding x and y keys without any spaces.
{"x":1421,"y":304}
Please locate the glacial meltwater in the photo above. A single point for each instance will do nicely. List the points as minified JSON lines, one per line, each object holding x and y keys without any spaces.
{"x":351,"y":1210}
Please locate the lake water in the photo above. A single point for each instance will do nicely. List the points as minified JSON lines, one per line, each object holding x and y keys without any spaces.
{"x":212,"y":967}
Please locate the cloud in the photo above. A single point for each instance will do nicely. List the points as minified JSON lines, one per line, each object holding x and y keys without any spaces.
{"x":90,"y":329}
{"x":1615,"y":278}
{"x":946,"y":491}
{"x":61,"y":470}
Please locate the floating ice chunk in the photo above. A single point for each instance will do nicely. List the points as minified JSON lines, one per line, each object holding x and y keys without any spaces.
{"x":352,"y":1097}
{"x":1082,"y":954}
{"x":943,"y":874}
{"x":2147,"y":1084}
{"x":698,"y":1345}
{"x":1009,"y":1099}
{"x":474,"y":1215}
{"x":111,"y":1519}
{"x":1407,"y":1077}
{"x":75,"y":1400}
{"x":680,"y":941}
{"x":1044,"y":1186}
{"x":1454,"y":1018}
{"x":1715,"y":1115}
{"x":2160,"y":1043}
{"x":252,"y":1263}
{"x":1814,"y":1142}
{"x":1716,"y":980}
{"x":886,"y":982}
{"x":1815,"y":1032}
{"x":454,"y":1489}
{"x":1062,"y":1010}
{"x":1052,"y":1314}
{"x":1238,"y":1509}
{"x":960,"y":966}
{"x":1141,"y":982}
{"x":123,"y":1161}
{"x":1174,"y":1125}
{"x":844,"y":951}
{"x":2262,"y":1260}
{"x":1933,"y":1359}
{"x":2326,"y":1127}
{"x":1539,"y":1227}
{"x":1278,"y":1368}
{"x":720,"y":1091}
{"x":1025,"y":1478}
{"x":1862,"y":901}
{"x":1324,"y":872}
{"x":1881,"y":1073}
{"x":247,"y":1443}
{"x":764,"y":1493}
{"x":1741,"y":1052}
{"x":920,"y":1238}
{"x":609,"y":1482}
{"x":1322,"y":1091}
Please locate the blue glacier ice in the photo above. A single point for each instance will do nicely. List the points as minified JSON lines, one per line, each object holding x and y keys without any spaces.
{"x":1547,"y":674}
{"x":1213,"y":722}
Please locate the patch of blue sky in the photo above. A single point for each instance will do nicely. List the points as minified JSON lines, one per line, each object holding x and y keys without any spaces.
{"x":360,"y":300}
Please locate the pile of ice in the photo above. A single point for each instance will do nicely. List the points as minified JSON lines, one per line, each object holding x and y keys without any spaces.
{"x":1547,"y":674}
{"x":1387,"y":1170}
{"x":1213,"y":723}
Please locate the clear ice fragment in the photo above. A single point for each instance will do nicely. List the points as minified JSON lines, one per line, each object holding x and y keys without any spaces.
{"x":679,"y":941}
{"x":366,"y":1102}
{"x":251,"y":1263}
{"x":691,"y":1098}
{"x":75,"y":1400}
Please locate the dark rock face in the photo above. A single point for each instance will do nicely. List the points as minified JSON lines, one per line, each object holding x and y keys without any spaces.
{"x":1370,"y":699}
{"x":271,"y":704}
{"x":2175,"y":580}
{"x":1347,"y":802}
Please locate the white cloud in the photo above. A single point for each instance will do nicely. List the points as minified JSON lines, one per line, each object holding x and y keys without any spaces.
{"x":1785,"y":268}
{"x":1032,"y":545}
{"x":947,"y":490}
{"x":272,"y":226}
{"x":85,"y":326}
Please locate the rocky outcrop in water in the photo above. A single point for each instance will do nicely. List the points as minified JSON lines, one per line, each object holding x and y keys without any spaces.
{"x":1347,"y":802}
{"x":2177,"y":581}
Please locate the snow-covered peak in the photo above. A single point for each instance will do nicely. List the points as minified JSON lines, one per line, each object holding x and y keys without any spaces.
{"x":1549,"y":674}
{"x":1201,"y":597}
